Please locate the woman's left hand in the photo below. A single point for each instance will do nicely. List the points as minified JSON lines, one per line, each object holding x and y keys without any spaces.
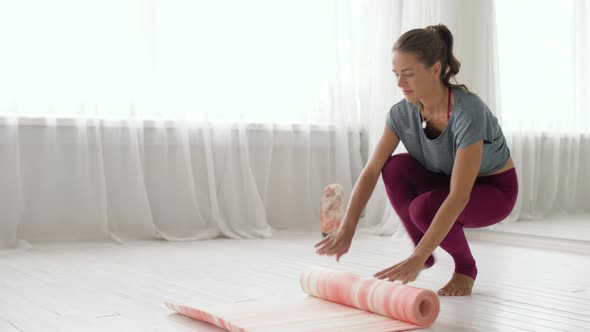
{"x":404,"y":271}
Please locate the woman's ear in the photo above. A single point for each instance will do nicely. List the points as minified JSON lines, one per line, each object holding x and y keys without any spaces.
{"x":437,"y":69}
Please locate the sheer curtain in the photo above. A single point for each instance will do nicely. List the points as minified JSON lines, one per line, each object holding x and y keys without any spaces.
{"x":189,"y":120}
{"x":543,"y":54}
{"x":175,"y":119}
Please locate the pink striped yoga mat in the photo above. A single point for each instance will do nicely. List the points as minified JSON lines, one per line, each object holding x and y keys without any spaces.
{"x":339,"y":301}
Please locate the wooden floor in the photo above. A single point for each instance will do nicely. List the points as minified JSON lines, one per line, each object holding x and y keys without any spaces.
{"x":110,"y":287}
{"x":571,"y":227}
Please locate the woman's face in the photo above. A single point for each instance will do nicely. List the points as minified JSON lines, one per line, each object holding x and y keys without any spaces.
{"x":414,"y":79}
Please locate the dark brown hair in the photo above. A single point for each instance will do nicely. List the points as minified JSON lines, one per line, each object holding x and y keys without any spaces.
{"x":431,"y":44}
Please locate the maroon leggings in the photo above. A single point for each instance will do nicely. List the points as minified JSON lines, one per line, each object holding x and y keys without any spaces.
{"x":416,"y":195}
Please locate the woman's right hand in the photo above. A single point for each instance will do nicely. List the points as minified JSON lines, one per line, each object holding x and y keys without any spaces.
{"x":336,"y":243}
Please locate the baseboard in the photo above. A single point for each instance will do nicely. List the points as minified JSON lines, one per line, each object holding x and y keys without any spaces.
{"x":529,"y":241}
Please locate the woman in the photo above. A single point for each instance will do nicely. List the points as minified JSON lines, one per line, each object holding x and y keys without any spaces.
{"x":458,"y":172}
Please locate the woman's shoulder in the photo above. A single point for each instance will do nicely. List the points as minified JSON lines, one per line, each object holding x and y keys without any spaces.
{"x":467,"y":101}
{"x":399,"y":117}
{"x":469,"y":107}
{"x":401,"y":109}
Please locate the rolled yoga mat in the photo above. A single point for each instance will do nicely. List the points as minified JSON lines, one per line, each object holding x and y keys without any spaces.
{"x":339,"y":301}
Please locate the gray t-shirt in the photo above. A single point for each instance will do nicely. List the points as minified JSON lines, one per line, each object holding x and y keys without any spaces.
{"x":471,"y":120}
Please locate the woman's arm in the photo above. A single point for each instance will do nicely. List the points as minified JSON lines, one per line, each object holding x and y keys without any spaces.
{"x":465,"y":171}
{"x":339,"y":243}
{"x":368,"y":179}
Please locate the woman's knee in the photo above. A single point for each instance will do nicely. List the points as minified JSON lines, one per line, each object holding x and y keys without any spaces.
{"x":396,"y":166}
{"x":424,"y":207}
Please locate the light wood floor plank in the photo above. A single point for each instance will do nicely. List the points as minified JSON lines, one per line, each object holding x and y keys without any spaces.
{"x":107,"y":286}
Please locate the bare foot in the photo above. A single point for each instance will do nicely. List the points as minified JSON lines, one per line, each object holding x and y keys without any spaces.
{"x":459,"y":285}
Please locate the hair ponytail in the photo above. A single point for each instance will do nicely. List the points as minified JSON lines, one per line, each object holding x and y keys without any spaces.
{"x":432,"y":44}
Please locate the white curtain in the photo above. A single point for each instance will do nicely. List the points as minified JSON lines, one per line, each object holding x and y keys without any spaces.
{"x":543,"y":54}
{"x":194,"y":119}
{"x":174,"y":119}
